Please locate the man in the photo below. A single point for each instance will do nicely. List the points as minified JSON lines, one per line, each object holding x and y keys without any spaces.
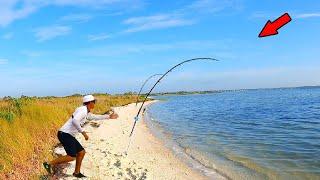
{"x":70,"y":129}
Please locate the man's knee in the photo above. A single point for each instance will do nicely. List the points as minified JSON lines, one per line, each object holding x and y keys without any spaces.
{"x":71,"y":158}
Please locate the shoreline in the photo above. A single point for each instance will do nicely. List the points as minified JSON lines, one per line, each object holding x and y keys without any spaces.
{"x":180,"y":152}
{"x":147,"y":158}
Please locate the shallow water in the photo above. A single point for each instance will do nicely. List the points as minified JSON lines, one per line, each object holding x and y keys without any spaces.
{"x":250,"y":134}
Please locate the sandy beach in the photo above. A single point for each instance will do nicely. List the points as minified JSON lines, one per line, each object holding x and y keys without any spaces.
{"x":147,"y":157}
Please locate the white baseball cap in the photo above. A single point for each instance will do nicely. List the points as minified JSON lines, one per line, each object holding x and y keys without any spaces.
{"x":88,"y":98}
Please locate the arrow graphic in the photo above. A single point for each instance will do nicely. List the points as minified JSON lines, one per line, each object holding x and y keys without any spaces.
{"x":271,"y":28}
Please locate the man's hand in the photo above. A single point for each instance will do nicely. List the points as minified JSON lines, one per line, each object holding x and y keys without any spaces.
{"x":86,"y":137}
{"x":113,"y":116}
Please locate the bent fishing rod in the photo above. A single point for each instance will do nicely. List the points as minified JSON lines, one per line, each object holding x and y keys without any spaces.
{"x":146,"y":97}
{"x":145,"y":82}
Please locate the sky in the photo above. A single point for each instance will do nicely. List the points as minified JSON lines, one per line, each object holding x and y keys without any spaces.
{"x":63,"y":47}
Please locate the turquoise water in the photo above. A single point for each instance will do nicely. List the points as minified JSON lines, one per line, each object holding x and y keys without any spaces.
{"x":250,"y":134}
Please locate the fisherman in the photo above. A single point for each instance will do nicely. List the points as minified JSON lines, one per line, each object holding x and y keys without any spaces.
{"x":70,"y":129}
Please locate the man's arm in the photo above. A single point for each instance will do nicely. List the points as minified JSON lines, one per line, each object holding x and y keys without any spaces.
{"x":76,"y":118}
{"x":96,"y":117}
{"x":102,"y":117}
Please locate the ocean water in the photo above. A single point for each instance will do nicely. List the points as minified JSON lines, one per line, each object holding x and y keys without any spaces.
{"x":248,"y":134}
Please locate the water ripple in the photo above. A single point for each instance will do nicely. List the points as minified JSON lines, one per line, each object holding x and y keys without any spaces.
{"x":272,"y":132}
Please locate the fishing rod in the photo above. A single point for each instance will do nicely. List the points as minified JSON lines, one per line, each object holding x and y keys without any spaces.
{"x":145,"y":84}
{"x":136,"y":118}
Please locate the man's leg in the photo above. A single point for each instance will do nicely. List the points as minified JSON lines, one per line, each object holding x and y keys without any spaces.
{"x":79,"y":159}
{"x":62,"y":159}
{"x":59,"y":160}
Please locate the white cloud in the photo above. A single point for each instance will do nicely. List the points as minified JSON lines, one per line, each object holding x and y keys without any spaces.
{"x":7,"y":36}
{"x":181,"y":17}
{"x":12,"y":10}
{"x":50,"y":32}
{"x":79,"y":18}
{"x":212,"y":6}
{"x":307,"y":15}
{"x":258,"y":15}
{"x":155,"y":22}
{"x":136,"y":49}
{"x":90,"y":3}
{"x":98,"y":37}
{"x":3,"y":61}
{"x":9,"y":11}
{"x":124,"y":50}
{"x":32,"y":53}
{"x":266,"y":15}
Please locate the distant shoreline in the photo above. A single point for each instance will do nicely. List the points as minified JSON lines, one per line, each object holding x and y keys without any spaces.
{"x":230,"y":90}
{"x":161,"y":93}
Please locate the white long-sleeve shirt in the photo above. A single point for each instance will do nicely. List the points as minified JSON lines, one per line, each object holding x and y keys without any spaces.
{"x":74,"y":125}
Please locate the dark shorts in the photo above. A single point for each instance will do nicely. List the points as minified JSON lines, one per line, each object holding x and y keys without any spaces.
{"x":70,"y":144}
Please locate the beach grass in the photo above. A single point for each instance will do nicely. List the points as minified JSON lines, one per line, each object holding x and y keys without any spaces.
{"x":28,"y":127}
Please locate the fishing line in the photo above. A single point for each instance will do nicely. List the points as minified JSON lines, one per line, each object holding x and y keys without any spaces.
{"x":145,"y":82}
{"x":136,"y":118}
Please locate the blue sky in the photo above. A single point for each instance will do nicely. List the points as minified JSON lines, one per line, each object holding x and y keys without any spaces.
{"x":64,"y":47}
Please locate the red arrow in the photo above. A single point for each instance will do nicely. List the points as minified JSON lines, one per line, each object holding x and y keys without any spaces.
{"x":271,"y":28}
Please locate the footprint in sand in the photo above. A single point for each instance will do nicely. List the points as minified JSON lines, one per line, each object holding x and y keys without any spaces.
{"x":103,"y":162}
